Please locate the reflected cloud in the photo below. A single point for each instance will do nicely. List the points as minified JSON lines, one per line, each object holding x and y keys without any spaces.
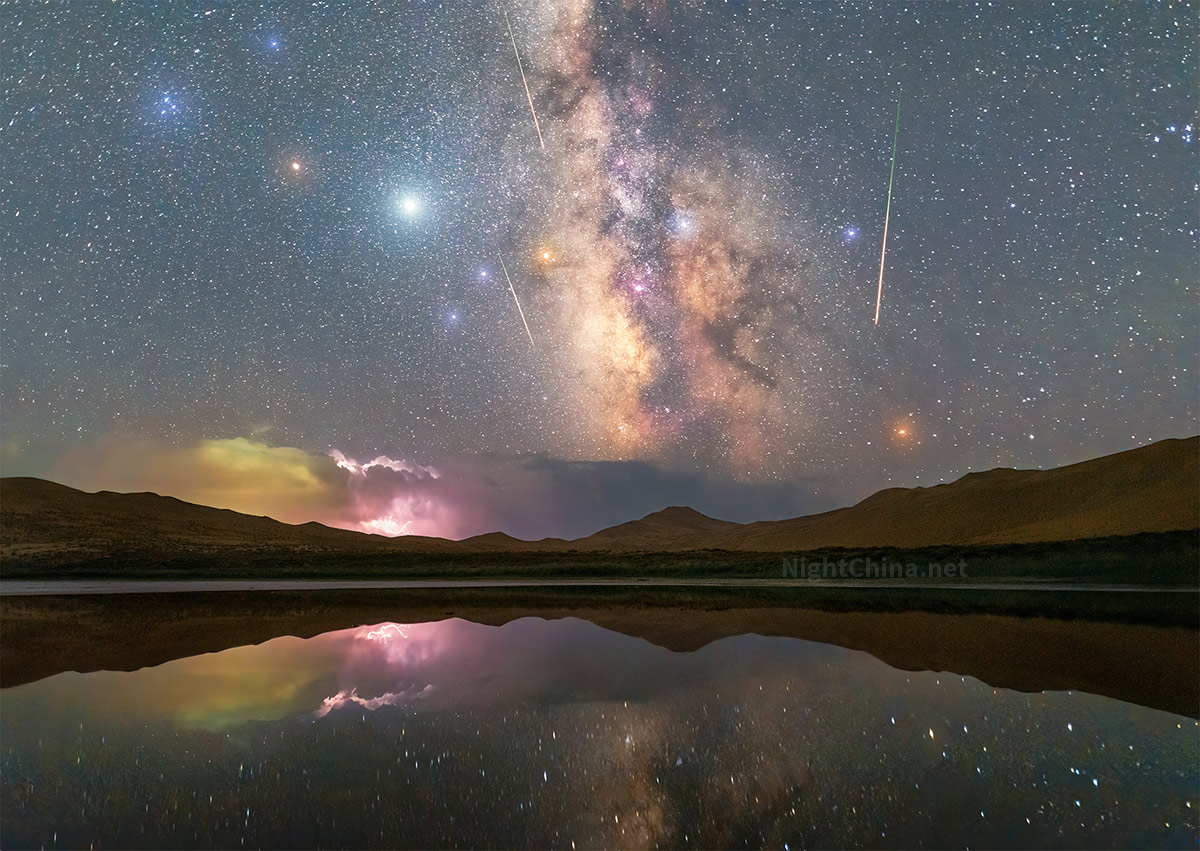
{"x":343,"y":698}
{"x":541,"y":732}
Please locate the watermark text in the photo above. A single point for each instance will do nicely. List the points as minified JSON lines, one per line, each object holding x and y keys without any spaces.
{"x":800,"y":567}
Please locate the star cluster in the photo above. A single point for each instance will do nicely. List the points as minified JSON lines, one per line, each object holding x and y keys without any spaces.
{"x":286,"y":222}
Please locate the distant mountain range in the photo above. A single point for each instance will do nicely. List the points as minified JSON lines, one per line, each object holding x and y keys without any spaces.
{"x":1154,"y":488}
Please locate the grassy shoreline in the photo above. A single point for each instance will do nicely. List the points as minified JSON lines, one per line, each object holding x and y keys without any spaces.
{"x":1169,"y":607}
{"x":1168,"y":558}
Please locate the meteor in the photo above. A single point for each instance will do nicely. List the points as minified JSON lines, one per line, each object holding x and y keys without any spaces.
{"x":887,"y":214}
{"x":528,"y":96}
{"x":514,"y":295}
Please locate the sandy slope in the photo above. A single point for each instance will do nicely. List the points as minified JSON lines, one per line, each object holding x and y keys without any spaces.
{"x":1154,"y":488}
{"x":1150,"y":489}
{"x":36,"y":515}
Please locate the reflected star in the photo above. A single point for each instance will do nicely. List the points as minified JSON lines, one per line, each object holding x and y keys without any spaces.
{"x":168,"y":105}
{"x":409,"y":205}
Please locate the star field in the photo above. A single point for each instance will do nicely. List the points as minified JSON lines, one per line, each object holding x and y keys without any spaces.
{"x":284,"y":222}
{"x":556,"y":734}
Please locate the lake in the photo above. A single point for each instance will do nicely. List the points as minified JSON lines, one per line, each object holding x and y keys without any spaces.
{"x":559,"y":733}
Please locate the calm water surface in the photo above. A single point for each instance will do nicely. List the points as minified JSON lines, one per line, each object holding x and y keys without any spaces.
{"x":562,"y":734}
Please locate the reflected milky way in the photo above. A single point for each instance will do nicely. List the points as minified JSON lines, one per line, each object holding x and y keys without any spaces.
{"x":560,"y":733}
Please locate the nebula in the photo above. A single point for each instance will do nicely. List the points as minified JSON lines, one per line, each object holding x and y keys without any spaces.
{"x":683,"y":317}
{"x":206,"y":246}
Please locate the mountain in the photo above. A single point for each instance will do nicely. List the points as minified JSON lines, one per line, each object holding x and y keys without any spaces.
{"x":674,"y":528}
{"x":1150,"y":489}
{"x":499,"y":542}
{"x":1154,"y":488}
{"x":38,"y":517}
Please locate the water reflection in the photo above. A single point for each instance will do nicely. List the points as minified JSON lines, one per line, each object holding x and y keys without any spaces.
{"x":560,"y":733}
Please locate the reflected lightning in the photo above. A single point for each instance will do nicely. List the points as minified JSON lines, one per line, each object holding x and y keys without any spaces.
{"x":887,"y":214}
{"x":515,"y":299}
{"x":520,"y":68}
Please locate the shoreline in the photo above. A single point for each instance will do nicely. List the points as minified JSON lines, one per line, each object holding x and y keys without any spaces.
{"x":72,"y":587}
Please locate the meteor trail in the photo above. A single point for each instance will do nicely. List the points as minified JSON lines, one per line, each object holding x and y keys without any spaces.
{"x":887,"y":214}
{"x":536,"y":126}
{"x":514,"y":295}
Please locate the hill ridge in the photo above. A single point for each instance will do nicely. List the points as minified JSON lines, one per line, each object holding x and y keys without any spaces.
{"x":1151,"y":488}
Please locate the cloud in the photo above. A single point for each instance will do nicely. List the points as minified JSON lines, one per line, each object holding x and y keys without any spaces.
{"x":283,"y":482}
{"x":529,"y":497}
{"x":342,"y":698}
{"x":552,"y":496}
{"x":384,"y":496}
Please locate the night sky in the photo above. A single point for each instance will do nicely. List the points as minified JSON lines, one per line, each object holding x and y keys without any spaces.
{"x":240,"y":237}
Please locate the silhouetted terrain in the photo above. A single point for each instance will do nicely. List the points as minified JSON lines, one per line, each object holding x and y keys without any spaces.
{"x":1124,"y":517}
{"x":1154,"y":488}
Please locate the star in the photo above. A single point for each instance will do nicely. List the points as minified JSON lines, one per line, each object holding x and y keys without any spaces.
{"x":681,"y":224}
{"x":670,"y":246}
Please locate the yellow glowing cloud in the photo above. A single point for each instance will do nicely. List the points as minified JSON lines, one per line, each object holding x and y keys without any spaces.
{"x":283,"y":482}
{"x":383,"y":495}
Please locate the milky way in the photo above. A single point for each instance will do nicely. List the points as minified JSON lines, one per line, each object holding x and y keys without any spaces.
{"x":684,"y":317}
{"x":281,"y":224}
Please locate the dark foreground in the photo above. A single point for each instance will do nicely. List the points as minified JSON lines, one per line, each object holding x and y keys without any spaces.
{"x":1162,"y":558}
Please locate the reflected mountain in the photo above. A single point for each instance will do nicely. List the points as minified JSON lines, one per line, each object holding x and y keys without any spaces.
{"x":557,"y":733}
